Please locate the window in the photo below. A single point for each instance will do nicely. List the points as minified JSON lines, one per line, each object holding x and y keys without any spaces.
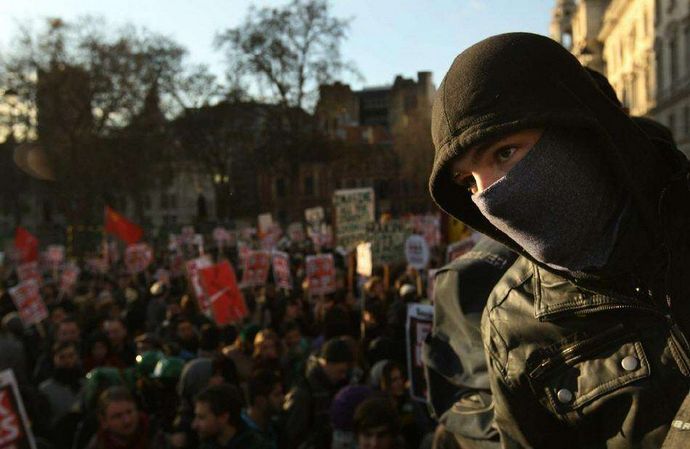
{"x":309,"y":186}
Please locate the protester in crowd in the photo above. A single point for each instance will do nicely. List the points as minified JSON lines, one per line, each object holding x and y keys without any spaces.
{"x":66,"y":331}
{"x":295,"y":352}
{"x":218,"y":420}
{"x":377,"y":425}
{"x":12,"y":352}
{"x":121,"y":425}
{"x":266,"y":351}
{"x":342,"y":415}
{"x":265,"y":403}
{"x":241,"y":352}
{"x":307,"y":404}
{"x":62,"y":388}
{"x":122,"y":349}
{"x":531,"y":152}
{"x":97,"y":351}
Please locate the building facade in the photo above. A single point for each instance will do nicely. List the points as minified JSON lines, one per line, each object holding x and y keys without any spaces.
{"x":643,"y":48}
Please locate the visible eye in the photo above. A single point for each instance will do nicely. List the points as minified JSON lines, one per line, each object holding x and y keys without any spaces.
{"x":467,"y":181}
{"x":504,"y":154}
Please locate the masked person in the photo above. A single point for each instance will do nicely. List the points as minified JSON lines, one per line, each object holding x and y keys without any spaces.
{"x":585,"y":334}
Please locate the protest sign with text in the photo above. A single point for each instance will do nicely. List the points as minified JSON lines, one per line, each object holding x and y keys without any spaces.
{"x":387,"y":242}
{"x":15,"y":429}
{"x":30,"y":306}
{"x":354,"y":210}
{"x":418,"y":326}
{"x":193,"y":266}
{"x":321,"y":274}
{"x":417,"y":252}
{"x":256,"y":266}
{"x":365,"y":265}
{"x":281,"y":270}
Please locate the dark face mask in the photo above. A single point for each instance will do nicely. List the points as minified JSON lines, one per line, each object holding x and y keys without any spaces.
{"x":560,"y":203}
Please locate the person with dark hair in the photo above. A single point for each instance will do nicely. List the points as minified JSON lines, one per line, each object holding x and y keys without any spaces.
{"x":121,"y":425}
{"x":266,"y":398}
{"x":218,"y":420}
{"x":307,"y":404}
{"x":123,"y":351}
{"x":266,"y":351}
{"x":97,"y":351}
{"x":62,"y":388}
{"x":295,"y":354}
{"x":377,"y":425}
{"x":67,"y":330}
{"x":590,"y":326}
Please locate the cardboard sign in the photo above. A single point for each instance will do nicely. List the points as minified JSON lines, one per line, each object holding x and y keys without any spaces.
{"x":418,"y":326}
{"x":321,"y":274}
{"x":365,"y":264}
{"x":457,"y":249}
{"x":256,"y":265}
{"x":27,"y":298}
{"x":417,"y":252}
{"x":265,"y":223}
{"x":138,"y":257}
{"x":69,"y":277}
{"x":15,"y":430}
{"x":29,"y":271}
{"x":281,"y":270}
{"x":354,"y":210}
{"x":387,"y":242}
{"x":225,"y":299}
{"x":193,"y":266}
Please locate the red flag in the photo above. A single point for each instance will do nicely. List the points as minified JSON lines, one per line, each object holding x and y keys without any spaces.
{"x":225,"y":298}
{"x":26,"y":244}
{"x":119,"y":226}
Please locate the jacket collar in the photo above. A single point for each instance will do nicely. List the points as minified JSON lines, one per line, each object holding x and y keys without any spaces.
{"x":555,"y":296}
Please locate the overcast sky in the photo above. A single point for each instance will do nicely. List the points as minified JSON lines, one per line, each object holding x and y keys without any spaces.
{"x":386,"y":37}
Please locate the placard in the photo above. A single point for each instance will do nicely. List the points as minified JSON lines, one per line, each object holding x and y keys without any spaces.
{"x":193,"y":266}
{"x":321,"y":274}
{"x":387,"y":242}
{"x":417,"y":252}
{"x":224,"y":296}
{"x":418,"y":326}
{"x":30,"y":306}
{"x":365,"y":264}
{"x":314,"y":215}
{"x":15,"y":430}
{"x":256,"y":266}
{"x":354,"y":210}
{"x":281,"y":270}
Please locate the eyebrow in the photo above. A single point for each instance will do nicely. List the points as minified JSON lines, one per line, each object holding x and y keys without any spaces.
{"x":477,"y":154}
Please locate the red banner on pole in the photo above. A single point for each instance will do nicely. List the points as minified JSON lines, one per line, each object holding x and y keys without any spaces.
{"x":26,"y":244}
{"x":256,"y":265}
{"x":281,"y":270}
{"x":225,"y":299}
{"x":15,"y":430}
{"x":122,"y":228}
{"x":193,"y":268}
{"x":321,"y":274}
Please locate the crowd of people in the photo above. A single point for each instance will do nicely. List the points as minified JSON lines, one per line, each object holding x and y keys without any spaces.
{"x":129,"y":361}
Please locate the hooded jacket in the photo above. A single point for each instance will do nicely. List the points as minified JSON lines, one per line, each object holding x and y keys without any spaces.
{"x":575,"y":359}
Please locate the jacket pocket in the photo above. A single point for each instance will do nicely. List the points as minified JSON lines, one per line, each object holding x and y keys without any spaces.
{"x":586,"y":371}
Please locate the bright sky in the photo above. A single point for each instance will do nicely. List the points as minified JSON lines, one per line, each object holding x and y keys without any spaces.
{"x":386,"y":38}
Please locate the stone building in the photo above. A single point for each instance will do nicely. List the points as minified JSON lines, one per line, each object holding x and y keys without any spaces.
{"x":642,"y":46}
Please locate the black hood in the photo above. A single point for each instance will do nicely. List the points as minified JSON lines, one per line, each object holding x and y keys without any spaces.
{"x":516,"y":81}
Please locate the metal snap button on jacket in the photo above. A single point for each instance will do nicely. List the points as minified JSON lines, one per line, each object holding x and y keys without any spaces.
{"x":564,"y":396}
{"x":630,"y":363}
